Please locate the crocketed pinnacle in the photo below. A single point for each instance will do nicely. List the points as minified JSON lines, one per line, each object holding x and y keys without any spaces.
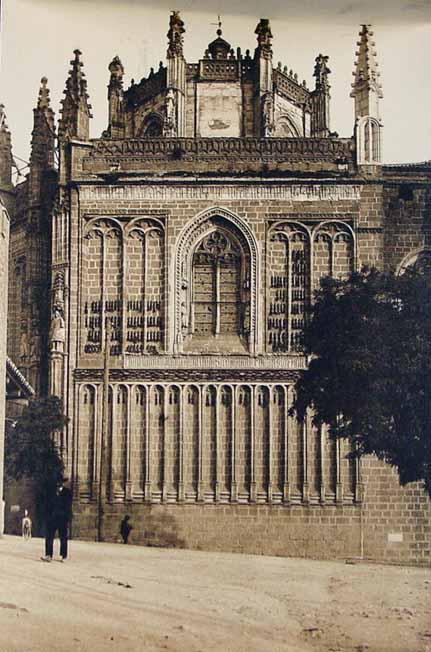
{"x":76,"y":84}
{"x":366,"y":72}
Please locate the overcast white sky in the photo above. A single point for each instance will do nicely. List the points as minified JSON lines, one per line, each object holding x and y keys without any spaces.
{"x":38,"y":38}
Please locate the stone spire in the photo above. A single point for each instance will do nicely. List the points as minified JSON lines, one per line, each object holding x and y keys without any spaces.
{"x":43,"y":134}
{"x":75,"y":111}
{"x":175,"y":101}
{"x":175,"y":35}
{"x":367,"y":91}
{"x":320,"y":97}
{"x":115,"y":98}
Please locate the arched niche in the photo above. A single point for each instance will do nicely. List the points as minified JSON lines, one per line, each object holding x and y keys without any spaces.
{"x":152,"y":126}
{"x":215,"y":285}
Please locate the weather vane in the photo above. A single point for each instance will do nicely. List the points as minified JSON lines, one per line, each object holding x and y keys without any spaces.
{"x":218,"y":25}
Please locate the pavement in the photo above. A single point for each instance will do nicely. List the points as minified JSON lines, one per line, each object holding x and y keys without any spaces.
{"x":113,"y":597}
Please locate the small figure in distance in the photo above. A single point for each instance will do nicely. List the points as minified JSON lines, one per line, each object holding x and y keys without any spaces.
{"x":125,"y":528}
{"x":26,"y":526}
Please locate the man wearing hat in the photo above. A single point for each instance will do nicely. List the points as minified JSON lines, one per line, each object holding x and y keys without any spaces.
{"x":58,"y":517}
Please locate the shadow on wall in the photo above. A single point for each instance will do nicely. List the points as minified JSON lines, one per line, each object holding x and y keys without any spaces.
{"x":160,"y":530}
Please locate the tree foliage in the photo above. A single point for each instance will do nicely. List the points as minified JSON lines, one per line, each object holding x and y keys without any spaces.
{"x":30,"y":450}
{"x":369,"y":377}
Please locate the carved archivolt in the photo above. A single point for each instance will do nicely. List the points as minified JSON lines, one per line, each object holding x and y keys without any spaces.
{"x":419,"y":259}
{"x":222,"y":221}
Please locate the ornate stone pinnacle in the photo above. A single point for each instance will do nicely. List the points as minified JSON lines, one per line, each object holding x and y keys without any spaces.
{"x":264,"y":36}
{"x":116,"y":67}
{"x":43,"y":101}
{"x":175,"y":35}
{"x":321,"y":72}
{"x":366,"y":73}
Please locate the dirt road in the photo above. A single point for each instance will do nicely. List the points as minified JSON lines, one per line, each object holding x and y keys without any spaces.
{"x":112,"y":598}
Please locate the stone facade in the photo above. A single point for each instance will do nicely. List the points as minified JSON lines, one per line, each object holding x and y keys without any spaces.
{"x":190,"y":237}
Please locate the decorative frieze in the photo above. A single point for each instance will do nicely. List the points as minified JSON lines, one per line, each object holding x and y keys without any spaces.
{"x":270,"y":191}
{"x":213,"y":362}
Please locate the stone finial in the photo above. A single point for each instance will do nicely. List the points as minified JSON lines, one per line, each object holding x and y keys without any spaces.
{"x":175,"y":35}
{"x":264,"y":36}
{"x":43,"y":101}
{"x":366,"y":72}
{"x":115,"y":98}
{"x":3,"y":124}
{"x":321,"y":72}
{"x":116,"y":68}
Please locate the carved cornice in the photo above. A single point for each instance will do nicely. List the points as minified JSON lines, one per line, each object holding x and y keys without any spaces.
{"x":310,"y":149}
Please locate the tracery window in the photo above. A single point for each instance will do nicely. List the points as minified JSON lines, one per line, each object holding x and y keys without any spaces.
{"x":219,"y":304}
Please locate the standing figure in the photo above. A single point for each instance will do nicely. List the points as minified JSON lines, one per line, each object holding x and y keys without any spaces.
{"x":26,"y":526}
{"x":58,"y":517}
{"x":125,"y":528}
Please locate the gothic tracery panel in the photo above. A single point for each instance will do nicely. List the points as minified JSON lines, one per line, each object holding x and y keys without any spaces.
{"x":123,"y":279}
{"x":288,"y":280}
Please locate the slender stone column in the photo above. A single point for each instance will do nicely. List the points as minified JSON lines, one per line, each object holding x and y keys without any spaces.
{"x":322,"y":431}
{"x":217,"y":447}
{"x":287,"y":422}
{"x":253,"y":496}
{"x":128,"y":487}
{"x":147,"y":463}
{"x":165,"y":437}
{"x":305,"y":428}
{"x":96,"y":443}
{"x":234,"y":472}
{"x":271,"y":394}
{"x":339,"y":487}
{"x":200,"y":495}
{"x":182,"y":398}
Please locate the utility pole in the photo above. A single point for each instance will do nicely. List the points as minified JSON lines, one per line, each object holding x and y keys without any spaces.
{"x":103,"y":434}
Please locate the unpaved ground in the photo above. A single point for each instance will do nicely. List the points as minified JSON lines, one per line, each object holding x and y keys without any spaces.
{"x":116,"y":597}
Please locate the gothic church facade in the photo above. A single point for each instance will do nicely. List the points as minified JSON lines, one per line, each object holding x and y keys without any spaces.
{"x":190,"y":236}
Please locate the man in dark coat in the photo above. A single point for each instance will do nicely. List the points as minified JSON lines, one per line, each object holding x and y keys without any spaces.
{"x":58,"y":517}
{"x":125,"y":528}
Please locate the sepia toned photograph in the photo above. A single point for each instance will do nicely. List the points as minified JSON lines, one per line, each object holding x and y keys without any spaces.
{"x":215,"y":326}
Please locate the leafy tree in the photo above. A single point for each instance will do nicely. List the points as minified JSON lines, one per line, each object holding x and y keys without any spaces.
{"x":369,"y":377}
{"x":30,"y":450}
